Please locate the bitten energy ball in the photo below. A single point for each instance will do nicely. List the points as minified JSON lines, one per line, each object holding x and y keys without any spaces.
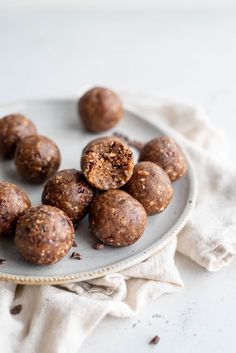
{"x":44,"y":235}
{"x":100,"y":109}
{"x":13,"y":128}
{"x":13,"y":202}
{"x":151,"y":186}
{"x":37,"y":158}
{"x":107,"y":163}
{"x":69,"y":191}
{"x":167,"y":154}
{"x":116,"y":218}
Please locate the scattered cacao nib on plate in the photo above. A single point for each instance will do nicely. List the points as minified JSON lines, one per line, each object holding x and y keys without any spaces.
{"x":76,"y":225}
{"x":76,"y":256}
{"x":98,"y":246}
{"x":154,"y":340}
{"x":16,"y":309}
{"x":136,"y":144}
{"x":2,"y":261}
{"x":74,"y":245}
{"x":132,"y":143}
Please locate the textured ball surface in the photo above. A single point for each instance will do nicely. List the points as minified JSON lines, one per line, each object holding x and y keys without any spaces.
{"x":69,"y":190}
{"x":167,"y":154}
{"x":13,"y":202}
{"x":107,"y":163}
{"x":100,"y":109}
{"x":151,"y":186}
{"x":37,"y":158}
{"x":14,"y":128}
{"x":44,"y":234}
{"x":117,"y":219}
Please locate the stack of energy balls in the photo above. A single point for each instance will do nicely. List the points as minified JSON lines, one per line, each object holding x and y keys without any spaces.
{"x":117,"y":194}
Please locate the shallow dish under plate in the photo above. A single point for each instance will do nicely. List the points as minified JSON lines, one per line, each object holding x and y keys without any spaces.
{"x":57,"y":119}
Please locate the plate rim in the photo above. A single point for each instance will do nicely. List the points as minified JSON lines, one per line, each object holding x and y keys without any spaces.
{"x":133,"y":259}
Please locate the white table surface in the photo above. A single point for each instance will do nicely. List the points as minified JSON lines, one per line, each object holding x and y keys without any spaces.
{"x":190,"y":55}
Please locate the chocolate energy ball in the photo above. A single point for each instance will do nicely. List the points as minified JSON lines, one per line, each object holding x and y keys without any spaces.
{"x":116,"y":218}
{"x":107,"y":163}
{"x":13,"y":202}
{"x":13,"y":128}
{"x":37,"y":158}
{"x":100,"y":109}
{"x":151,"y":186}
{"x":69,"y":191}
{"x":167,"y":154}
{"x":44,"y":234}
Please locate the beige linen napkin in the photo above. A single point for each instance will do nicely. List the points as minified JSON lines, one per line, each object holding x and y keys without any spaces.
{"x":58,"y":319}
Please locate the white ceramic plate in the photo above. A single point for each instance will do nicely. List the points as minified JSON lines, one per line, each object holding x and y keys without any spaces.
{"x":58,"y":120}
